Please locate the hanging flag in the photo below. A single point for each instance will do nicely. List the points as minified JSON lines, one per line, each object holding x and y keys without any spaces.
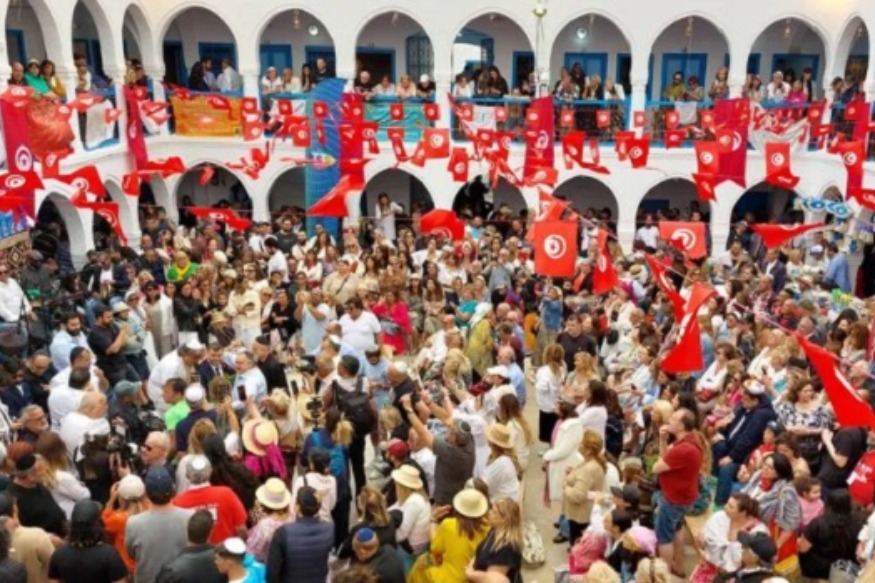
{"x":206,"y":175}
{"x":707,"y":119}
{"x":539,"y":135}
{"x":639,"y":151}
{"x":572,"y":148}
{"x":85,"y":101}
{"x":166,"y":167}
{"x":87,"y":179}
{"x":849,"y":407}
{"x":134,"y":129}
{"x":542,"y":177}
{"x":639,"y":119}
{"x":853,"y":154}
{"x":369,"y":136}
{"x":458,"y":164}
{"x":778,"y":165}
{"x":19,"y":154}
{"x":707,"y":157}
{"x":672,"y":119}
{"x":108,"y":211}
{"x":603,"y":118}
{"x":396,"y":138}
{"x":465,"y":111}
{"x":555,"y":247}
{"x":689,"y":237}
{"x":552,"y":210}
{"x":604,"y":275}
{"x":396,"y":111}
{"x":815,"y":112}
{"x":674,"y":138}
{"x":436,"y":143}
{"x":431,"y":111}
{"x":64,"y":112}
{"x":352,"y":107}
{"x":17,"y":95}
{"x":131,"y":184}
{"x":225,"y":215}
{"x":566,"y":117}
{"x":724,"y":138}
{"x":776,"y":235}
{"x":443,"y":223}
{"x":320,"y":109}
{"x":621,"y":144}
{"x":861,"y":121}
{"x":865,"y":196}
{"x":705,"y":185}
{"x":733,"y":115}
{"x":660,"y":276}
{"x":20,"y":182}
{"x":500,"y":112}
{"x":111,"y":115}
{"x":686,"y":355}
{"x":51,"y":163}
{"x":334,"y":204}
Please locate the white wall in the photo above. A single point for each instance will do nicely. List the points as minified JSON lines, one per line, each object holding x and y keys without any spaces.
{"x":382,"y":34}
{"x":802,"y":40}
{"x":195,"y":26}
{"x":282,"y":31}
{"x":603,"y":37}
{"x":705,"y":39}
{"x":288,"y":190}
{"x":23,"y":18}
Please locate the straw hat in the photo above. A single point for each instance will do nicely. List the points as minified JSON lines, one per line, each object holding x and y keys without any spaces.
{"x":499,"y":435}
{"x":408,"y":476}
{"x":273,"y":494}
{"x":471,"y":503}
{"x":306,"y":413}
{"x":258,"y":435}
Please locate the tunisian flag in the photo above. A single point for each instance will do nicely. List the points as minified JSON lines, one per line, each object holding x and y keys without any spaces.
{"x":686,"y":355}
{"x":733,"y":115}
{"x":851,"y":410}
{"x":665,"y":285}
{"x":778,"y":165}
{"x":689,"y":237}
{"x":776,"y":235}
{"x":19,"y":155}
{"x":555,"y":247}
{"x":108,"y":211}
{"x":852,"y":154}
{"x":136,"y":139}
{"x":604,"y":275}
{"x":333,"y":204}
{"x":86,"y":179}
{"x":226,"y":215}
{"x":539,"y":134}
{"x":442,"y":223}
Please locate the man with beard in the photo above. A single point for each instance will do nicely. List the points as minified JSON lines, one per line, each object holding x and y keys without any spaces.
{"x":274,"y":372}
{"x":574,"y":340}
{"x":107,"y":341}
{"x":69,"y":337}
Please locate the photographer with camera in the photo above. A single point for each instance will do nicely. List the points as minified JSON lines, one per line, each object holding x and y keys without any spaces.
{"x":126,"y":412}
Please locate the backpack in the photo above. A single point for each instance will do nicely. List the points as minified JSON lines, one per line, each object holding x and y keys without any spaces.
{"x":356,"y":406}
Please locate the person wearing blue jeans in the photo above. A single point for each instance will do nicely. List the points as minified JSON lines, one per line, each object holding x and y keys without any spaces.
{"x":742,"y":433}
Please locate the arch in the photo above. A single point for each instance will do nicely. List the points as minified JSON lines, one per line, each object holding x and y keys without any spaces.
{"x":786,"y":42}
{"x":477,"y":197}
{"x":707,"y":49}
{"x":402,"y":187}
{"x":127,"y":218}
{"x":187,"y":27}
{"x":288,"y":189}
{"x":601,"y":39}
{"x":587,"y":193}
{"x":852,"y":50}
{"x":495,"y":28}
{"x":75,"y":224}
{"x":91,"y":24}
{"x":224,"y":186}
{"x":137,"y":30}
{"x":40,"y":34}
{"x":673,"y":198}
{"x":287,"y":28}
{"x":389,"y":35}
{"x":763,"y":203}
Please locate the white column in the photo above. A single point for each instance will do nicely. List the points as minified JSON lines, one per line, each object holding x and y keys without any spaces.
{"x":70,"y":80}
{"x":118,"y":84}
{"x":250,"y":82}
{"x":721,"y":217}
{"x":736,"y":84}
{"x":156,"y":74}
{"x":638,"y":101}
{"x":443,"y":86}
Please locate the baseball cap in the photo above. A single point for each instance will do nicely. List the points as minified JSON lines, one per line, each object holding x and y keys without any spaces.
{"x":759,"y":544}
{"x":124,"y":388}
{"x":158,"y":482}
{"x":397,"y":449}
{"x":131,"y":488}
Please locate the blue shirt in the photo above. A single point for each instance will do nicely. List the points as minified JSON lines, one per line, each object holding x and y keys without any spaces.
{"x":518,"y":381}
{"x":62,"y":345}
{"x":551,"y":314}
{"x":837,"y":271}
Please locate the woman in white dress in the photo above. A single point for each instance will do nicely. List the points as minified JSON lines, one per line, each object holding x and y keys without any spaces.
{"x":385,"y":212}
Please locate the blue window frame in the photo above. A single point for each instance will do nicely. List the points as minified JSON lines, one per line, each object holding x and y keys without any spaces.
{"x":217,"y":52}
{"x":592,"y":63}
{"x":377,"y":72}
{"x":90,"y":47}
{"x":523,"y":64}
{"x":624,"y":72}
{"x":420,"y":56}
{"x":174,"y":62}
{"x":688,"y":63}
{"x":277,"y":56}
{"x":314,"y":52}
{"x":797,"y":62}
{"x":487,"y":51}
{"x":15,"y":45}
{"x":753,"y":63}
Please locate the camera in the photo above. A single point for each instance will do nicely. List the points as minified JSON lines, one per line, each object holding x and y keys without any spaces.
{"x":314,"y":406}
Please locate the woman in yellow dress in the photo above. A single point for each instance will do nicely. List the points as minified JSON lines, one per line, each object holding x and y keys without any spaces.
{"x":454,"y":541}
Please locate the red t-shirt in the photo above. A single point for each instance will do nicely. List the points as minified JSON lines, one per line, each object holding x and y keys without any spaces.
{"x":222,"y":502}
{"x":680,"y":484}
{"x":861,"y":482}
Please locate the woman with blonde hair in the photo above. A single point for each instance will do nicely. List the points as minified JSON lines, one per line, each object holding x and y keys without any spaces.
{"x":652,"y":571}
{"x":548,"y":384}
{"x":126,"y":498}
{"x":585,"y":370}
{"x":63,"y":485}
{"x":500,"y":553}
{"x":502,"y":474}
{"x":414,"y":532}
{"x":601,"y":572}
{"x":587,"y":476}
{"x":454,"y":538}
{"x":510,"y":414}
{"x":200,"y":431}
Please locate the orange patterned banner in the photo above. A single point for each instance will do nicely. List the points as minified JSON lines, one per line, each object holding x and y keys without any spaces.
{"x":199,"y":117}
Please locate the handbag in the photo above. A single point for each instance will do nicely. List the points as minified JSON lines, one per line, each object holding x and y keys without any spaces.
{"x":533,"y":546}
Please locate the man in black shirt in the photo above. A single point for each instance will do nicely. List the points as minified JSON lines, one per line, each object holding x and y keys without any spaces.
{"x":107,"y":341}
{"x":285,"y":237}
{"x":36,"y":506}
{"x":274,"y":372}
{"x":363,"y":84}
{"x":573,"y":339}
{"x":842,"y":450}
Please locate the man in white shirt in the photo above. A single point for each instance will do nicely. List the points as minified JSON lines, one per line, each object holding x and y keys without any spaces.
{"x":12,"y":299}
{"x":250,"y":378}
{"x":80,"y":359}
{"x":314,"y":315}
{"x":648,"y":234}
{"x":256,"y":239}
{"x":435,"y":349}
{"x":778,"y":89}
{"x":423,"y":456}
{"x":343,"y":283}
{"x":88,"y":420}
{"x":277,"y":259}
{"x":179,"y":364}
{"x":229,"y":79}
{"x":69,"y":337}
{"x":67,"y":398}
{"x":360,"y":327}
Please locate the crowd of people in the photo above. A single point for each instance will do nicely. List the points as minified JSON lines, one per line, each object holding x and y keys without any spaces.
{"x":290,"y":404}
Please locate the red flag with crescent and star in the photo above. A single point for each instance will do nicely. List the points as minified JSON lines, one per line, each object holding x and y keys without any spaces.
{"x":689,"y":237}
{"x":555,"y":244}
{"x":604,"y":274}
{"x":776,"y":235}
{"x":686,"y":355}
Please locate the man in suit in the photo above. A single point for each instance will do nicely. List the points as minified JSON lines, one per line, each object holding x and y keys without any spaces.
{"x":773,"y":266}
{"x":17,"y":395}
{"x":212,"y":366}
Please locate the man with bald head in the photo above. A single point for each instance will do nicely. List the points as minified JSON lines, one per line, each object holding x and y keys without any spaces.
{"x":17,"y":76}
{"x":90,"y":420}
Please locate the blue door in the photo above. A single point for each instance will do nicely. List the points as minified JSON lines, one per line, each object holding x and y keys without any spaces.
{"x":175,"y":70}
{"x":592,"y":63}
{"x":217,"y":52}
{"x":15,"y":46}
{"x":687,"y":63}
{"x":277,"y":56}
{"x":326,"y":53}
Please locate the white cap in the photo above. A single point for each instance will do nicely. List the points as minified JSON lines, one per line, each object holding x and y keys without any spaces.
{"x":424,"y":78}
{"x":816,"y":249}
{"x":195,"y":345}
{"x":131,"y":488}
{"x":499,"y":370}
{"x":755,"y":388}
{"x":195,"y":394}
{"x":234,"y":546}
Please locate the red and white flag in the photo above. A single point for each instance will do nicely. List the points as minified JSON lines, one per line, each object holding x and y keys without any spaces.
{"x":853,"y":154}
{"x":639,"y":119}
{"x":707,"y":157}
{"x":442,"y":223}
{"x":225,"y":215}
{"x":131,"y":184}
{"x":436,"y":143}
{"x":639,"y":151}
{"x":566,"y":117}
{"x":733,"y":115}
{"x":396,"y":111}
{"x":604,"y":274}
{"x":333,"y":204}
{"x":674,"y":138}
{"x":458,"y":164}
{"x":660,"y":276}
{"x":108,"y":211}
{"x":705,"y":185}
{"x":134,"y":129}
{"x":206,"y":175}
{"x":431,"y":111}
{"x":20,"y":182}
{"x":369,"y":136}
{"x":621,"y":144}
{"x":555,"y":247}
{"x":778,"y":165}
{"x":689,"y":237}
{"x":776,"y":235}
{"x":539,"y":135}
{"x":396,"y":138}
{"x":850,"y":408}
{"x":672,"y":119}
{"x":865,"y":196}
{"x":86,"y":179}
{"x":686,"y":355}
{"x":166,"y":167}
{"x":815,"y":112}
{"x":603,"y":118}
{"x":572,"y":148}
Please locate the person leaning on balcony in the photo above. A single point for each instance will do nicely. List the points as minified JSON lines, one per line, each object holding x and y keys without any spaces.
{"x":385,"y":87}
{"x":34,"y":80}
{"x":406,"y":89}
{"x":229,"y":79}
{"x":720,"y":86}
{"x":566,"y":90}
{"x":593,"y":89}
{"x":675,"y":91}
{"x":270,"y":83}
{"x":614,"y":92}
{"x":694,"y":91}
{"x":461,"y":88}
{"x":291,"y":84}
{"x":47,"y":72}
{"x":778,"y":89}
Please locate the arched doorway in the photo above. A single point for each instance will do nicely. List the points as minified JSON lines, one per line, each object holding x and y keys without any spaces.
{"x":593,"y":45}
{"x":675,"y":199}
{"x":478,"y":198}
{"x":852,"y":56}
{"x":292,"y":39}
{"x":92,"y":39}
{"x":394,"y":44}
{"x":767,"y":203}
{"x":195,"y":34}
{"x":136,"y":36}
{"x":790,"y":46}
{"x":689,"y":47}
{"x":60,"y":232}
{"x":402,"y":187}
{"x":31,"y":32}
{"x":589,"y":197}
{"x":288,"y":191}
{"x":494,"y":39}
{"x":224,"y":187}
